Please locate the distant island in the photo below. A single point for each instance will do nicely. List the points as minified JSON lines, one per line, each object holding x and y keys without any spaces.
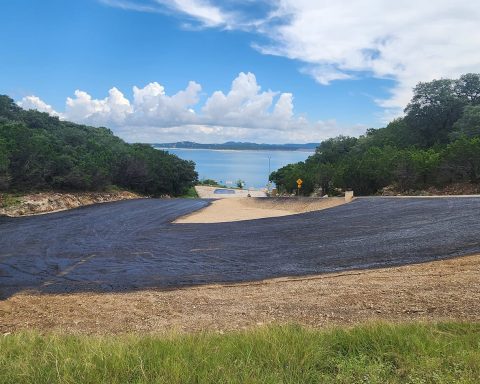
{"x":235,"y":145}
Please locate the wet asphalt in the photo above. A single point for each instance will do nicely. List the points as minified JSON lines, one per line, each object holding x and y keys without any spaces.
{"x":132,"y":245}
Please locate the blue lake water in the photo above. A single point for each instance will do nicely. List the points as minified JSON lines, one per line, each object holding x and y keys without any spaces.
{"x":227,"y":166}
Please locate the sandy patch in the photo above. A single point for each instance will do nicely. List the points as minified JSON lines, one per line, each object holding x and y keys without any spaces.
{"x":441,"y":290}
{"x":226,"y":210}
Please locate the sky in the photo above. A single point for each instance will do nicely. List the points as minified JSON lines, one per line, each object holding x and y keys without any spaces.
{"x":271,"y":71}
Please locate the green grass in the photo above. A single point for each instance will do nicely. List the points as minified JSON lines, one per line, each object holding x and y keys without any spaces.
{"x":379,"y":353}
{"x":9,"y":200}
{"x":191,"y":194}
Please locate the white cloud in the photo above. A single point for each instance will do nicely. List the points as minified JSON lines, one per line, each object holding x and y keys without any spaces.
{"x":151,"y":104}
{"x":206,"y":14}
{"x":245,"y":112}
{"x":407,"y":41}
{"x":34,"y":102}
{"x":246,"y":105}
{"x":114,"y":109}
{"x":325,"y":74}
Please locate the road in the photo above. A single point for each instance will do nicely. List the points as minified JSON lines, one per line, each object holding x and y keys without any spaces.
{"x":133,"y":245}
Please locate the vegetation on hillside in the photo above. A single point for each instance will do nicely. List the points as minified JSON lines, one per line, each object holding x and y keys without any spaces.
{"x":382,"y":353}
{"x":41,"y":152}
{"x":436,"y":144}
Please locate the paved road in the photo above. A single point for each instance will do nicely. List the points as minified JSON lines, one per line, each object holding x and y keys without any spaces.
{"x":132,"y":244}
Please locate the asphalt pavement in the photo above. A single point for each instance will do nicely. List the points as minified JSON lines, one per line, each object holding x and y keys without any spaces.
{"x":133,"y":245}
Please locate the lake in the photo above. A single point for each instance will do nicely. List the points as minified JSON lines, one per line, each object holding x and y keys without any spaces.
{"x":227,"y":166}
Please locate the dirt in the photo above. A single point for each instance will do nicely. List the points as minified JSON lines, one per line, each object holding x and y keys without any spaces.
{"x":228,"y":210}
{"x":455,"y":189}
{"x":434,"y":291}
{"x":46,"y":202}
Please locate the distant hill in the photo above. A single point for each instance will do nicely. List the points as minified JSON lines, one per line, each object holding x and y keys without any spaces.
{"x":235,"y":145}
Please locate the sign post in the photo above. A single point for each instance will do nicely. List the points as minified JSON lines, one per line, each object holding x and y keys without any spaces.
{"x":299,"y":185}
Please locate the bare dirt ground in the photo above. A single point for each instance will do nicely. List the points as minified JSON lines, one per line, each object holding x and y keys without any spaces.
{"x":48,"y":202}
{"x":440,"y":290}
{"x":227,"y":210}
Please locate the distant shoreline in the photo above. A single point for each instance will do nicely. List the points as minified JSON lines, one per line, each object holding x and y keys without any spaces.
{"x":237,"y":150}
{"x":238,"y":146}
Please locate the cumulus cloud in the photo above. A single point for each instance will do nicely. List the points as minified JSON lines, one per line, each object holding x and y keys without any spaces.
{"x":244,"y":105}
{"x":34,"y":102}
{"x":114,"y":109}
{"x":406,"y":41}
{"x":245,"y":112}
{"x":151,"y":104}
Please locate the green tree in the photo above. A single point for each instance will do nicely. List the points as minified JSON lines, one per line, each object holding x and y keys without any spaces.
{"x":469,"y":124}
{"x":4,"y":166}
{"x":467,"y":87}
{"x":461,"y":161}
{"x":433,"y":110}
{"x":38,"y":151}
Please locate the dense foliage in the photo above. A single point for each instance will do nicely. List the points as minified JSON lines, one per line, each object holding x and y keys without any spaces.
{"x":437,"y":143}
{"x":38,"y":151}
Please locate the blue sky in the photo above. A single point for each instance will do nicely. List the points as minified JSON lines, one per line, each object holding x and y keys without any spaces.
{"x":209,"y":71}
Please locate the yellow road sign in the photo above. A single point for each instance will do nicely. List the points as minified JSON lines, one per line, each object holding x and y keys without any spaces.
{"x":299,"y":181}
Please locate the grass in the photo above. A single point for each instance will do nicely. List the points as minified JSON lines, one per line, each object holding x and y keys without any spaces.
{"x":191,"y":194}
{"x":378,"y":353}
{"x":9,"y":200}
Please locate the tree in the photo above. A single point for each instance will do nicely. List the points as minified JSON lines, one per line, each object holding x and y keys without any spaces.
{"x":366,"y":172}
{"x":467,"y":87}
{"x":436,"y":143}
{"x":4,"y":166}
{"x":332,"y":150}
{"x":461,"y":161}
{"x":433,"y":110}
{"x":469,"y":124}
{"x":38,"y":151}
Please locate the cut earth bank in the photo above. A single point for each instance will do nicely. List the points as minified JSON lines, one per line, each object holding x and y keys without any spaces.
{"x":47,"y":202}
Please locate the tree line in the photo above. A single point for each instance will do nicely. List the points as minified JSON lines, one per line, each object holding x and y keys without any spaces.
{"x":435,"y":144}
{"x":41,"y":152}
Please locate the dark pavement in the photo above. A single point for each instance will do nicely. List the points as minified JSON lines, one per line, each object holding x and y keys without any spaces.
{"x":131,"y":245}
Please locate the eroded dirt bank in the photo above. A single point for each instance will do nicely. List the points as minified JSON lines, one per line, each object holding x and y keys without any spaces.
{"x":440,"y":290}
{"x":45,"y":202}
